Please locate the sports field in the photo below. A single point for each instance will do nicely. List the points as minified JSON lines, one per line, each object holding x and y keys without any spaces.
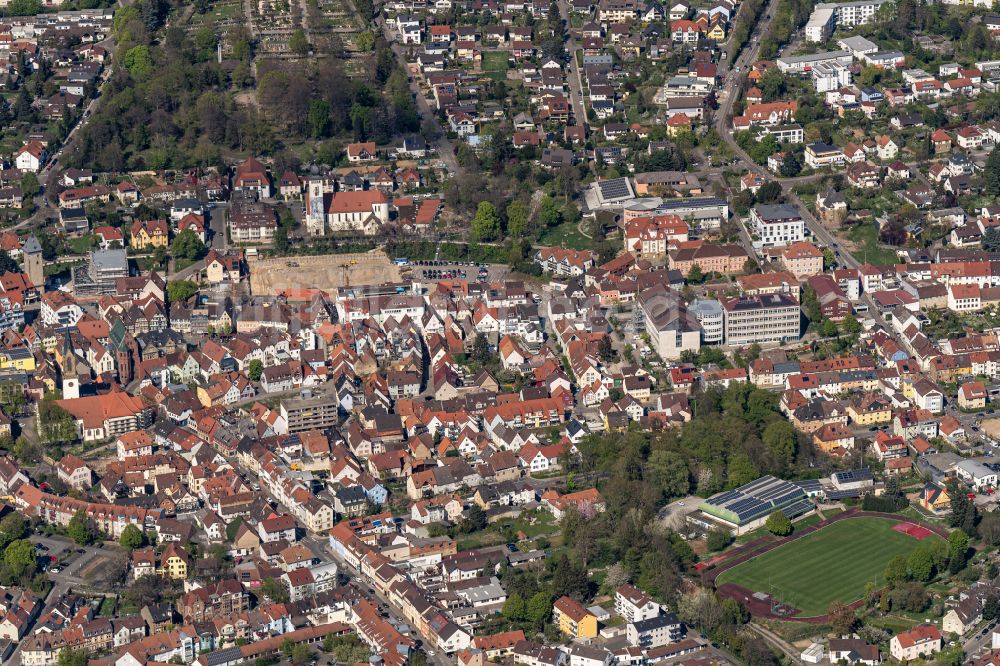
{"x":831,"y":564}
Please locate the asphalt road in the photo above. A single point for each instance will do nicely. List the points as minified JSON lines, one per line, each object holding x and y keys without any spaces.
{"x":441,"y":143}
{"x":575,"y":78}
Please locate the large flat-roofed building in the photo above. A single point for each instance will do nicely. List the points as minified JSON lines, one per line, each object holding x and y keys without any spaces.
{"x":671,"y":327}
{"x":614,"y":191}
{"x":701,"y":212}
{"x":101,"y":272}
{"x":777,"y":225}
{"x":761,"y":319}
{"x":821,"y":23}
{"x":804,"y":63}
{"x":827,"y":16}
{"x":746,"y":508}
{"x":311,"y":410}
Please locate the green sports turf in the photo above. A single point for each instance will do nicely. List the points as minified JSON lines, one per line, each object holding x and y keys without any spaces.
{"x":832,"y":564}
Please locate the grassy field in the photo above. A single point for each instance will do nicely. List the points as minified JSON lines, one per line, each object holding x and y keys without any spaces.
{"x":833,"y":564}
{"x":865,"y":237}
{"x":566,"y":235}
{"x":495,"y":64}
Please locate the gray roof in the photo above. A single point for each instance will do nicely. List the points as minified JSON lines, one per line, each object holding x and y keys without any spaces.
{"x":114,"y":259}
{"x":31,"y":246}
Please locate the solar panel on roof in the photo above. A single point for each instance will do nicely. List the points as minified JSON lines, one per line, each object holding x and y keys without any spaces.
{"x":842,"y":494}
{"x":615,"y":188}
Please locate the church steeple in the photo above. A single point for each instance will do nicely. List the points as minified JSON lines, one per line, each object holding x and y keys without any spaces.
{"x":69,"y":368}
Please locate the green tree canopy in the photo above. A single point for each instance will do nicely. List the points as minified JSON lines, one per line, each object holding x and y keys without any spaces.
{"x":20,"y":557}
{"x":179,"y":291}
{"x":778,"y":524}
{"x":81,"y":529}
{"x":517,"y":219}
{"x":187,"y":245}
{"x":255,"y":369}
{"x":486,"y":223}
{"x":132,"y":537}
{"x":298,"y":43}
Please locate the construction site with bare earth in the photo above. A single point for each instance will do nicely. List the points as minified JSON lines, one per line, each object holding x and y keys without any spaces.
{"x":326,"y":272}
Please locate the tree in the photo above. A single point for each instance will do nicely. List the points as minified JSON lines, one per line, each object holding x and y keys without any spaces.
{"x":841,"y":618}
{"x":896,"y":569}
{"x":991,"y":607}
{"x":187,"y":245}
{"x":139,"y":61}
{"x":911,"y":597}
{"x":132,"y":537}
{"x":718,"y":539}
{"x":232,"y":528}
{"x":319,"y":118}
{"x":778,"y":524}
{"x":991,"y":174}
{"x":481,"y":349}
{"x":81,"y":529}
{"x":365,"y":41}
{"x":255,"y":369}
{"x":850,"y":325}
{"x":669,"y":472}
{"x":486,"y":223}
{"x":179,"y":291}
{"x":514,"y":608}
{"x":790,"y":166}
{"x":475,"y":520}
{"x":539,"y":608}
{"x":616,"y":576}
{"x":298,"y":43}
{"x":549,"y":214}
{"x":569,"y":579}
{"x":920,"y":565}
{"x":700,"y":608}
{"x":780,"y":440}
{"x":29,"y":185}
{"x":958,"y":549}
{"x":605,"y":350}
{"x":275,"y":590}
{"x":989,"y":528}
{"x":7,"y":264}
{"x":695,"y":276}
{"x":24,"y":8}
{"x":68,"y":657}
{"x":12,"y":527}
{"x":55,"y":424}
{"x":20,"y":557}
{"x":517,"y":219}
{"x":768,"y":192}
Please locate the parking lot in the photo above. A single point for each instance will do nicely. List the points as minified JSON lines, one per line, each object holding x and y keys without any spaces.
{"x":445,"y":270}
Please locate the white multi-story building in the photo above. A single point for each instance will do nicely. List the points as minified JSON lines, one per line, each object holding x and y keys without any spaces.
{"x":785,"y":133}
{"x":819,"y":155}
{"x":711,"y":318}
{"x":634,"y":605}
{"x":828,"y":76}
{"x":777,"y":225}
{"x":827,"y":16}
{"x":761,"y":319}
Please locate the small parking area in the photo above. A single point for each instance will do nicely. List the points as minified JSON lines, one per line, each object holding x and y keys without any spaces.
{"x":449,"y":270}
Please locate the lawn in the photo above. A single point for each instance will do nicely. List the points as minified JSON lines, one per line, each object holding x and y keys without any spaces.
{"x":566,"y":235}
{"x":865,"y":237}
{"x":833,"y":564}
{"x":495,"y":64}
